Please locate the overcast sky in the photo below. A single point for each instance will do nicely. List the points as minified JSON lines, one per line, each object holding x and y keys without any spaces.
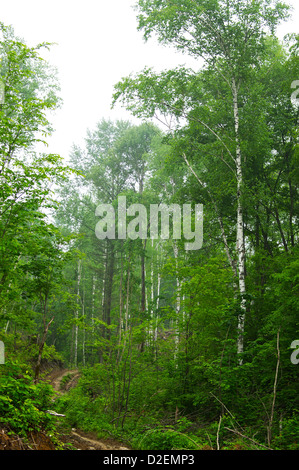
{"x":97,"y":44}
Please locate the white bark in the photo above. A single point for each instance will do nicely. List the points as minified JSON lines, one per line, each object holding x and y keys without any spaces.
{"x":127,"y":317}
{"x":84,"y":332}
{"x":240,"y":245}
{"x":146,"y":297}
{"x":77,"y":314}
{"x":103,"y":287}
{"x":151,"y":331}
{"x":120,"y":301}
{"x":93,"y":301}
{"x":239,"y":267}
{"x":157,"y":304}
{"x":178,"y":299}
{"x":152,"y":283}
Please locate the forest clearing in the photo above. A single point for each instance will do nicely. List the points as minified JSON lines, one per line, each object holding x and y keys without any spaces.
{"x":149,"y":292}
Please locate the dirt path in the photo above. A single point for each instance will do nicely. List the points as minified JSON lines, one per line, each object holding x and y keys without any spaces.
{"x":79,"y":439}
{"x":89,"y":441}
{"x":56,"y":376}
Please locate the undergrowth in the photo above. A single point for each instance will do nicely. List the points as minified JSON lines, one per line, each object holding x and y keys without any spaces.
{"x":23,"y":404}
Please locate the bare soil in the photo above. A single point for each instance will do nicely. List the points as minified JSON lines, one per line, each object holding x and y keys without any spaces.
{"x":88,"y":441}
{"x":55,"y":378}
{"x":74,"y":440}
{"x":78,"y":439}
{"x":34,"y":441}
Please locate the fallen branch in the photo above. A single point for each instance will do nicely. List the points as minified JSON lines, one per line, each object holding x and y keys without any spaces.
{"x":233,"y":418}
{"x":53,"y":413}
{"x":246,"y":437}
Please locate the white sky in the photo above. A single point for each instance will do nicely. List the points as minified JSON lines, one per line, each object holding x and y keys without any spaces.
{"x":97,"y":44}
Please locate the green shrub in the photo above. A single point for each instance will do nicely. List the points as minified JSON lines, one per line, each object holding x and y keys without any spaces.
{"x":83,"y":412}
{"x":288,"y":434}
{"x":166,"y":438}
{"x":23,"y":404}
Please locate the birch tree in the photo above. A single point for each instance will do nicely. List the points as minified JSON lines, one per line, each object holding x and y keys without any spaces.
{"x":227,"y":37}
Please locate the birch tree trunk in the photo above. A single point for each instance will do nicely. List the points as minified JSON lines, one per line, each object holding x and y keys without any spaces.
{"x":143,"y":290}
{"x":121,"y":322}
{"x":108,"y":288}
{"x":153,"y":319}
{"x":178,"y":299}
{"x":77,"y":315}
{"x":84,"y":329}
{"x":127,"y":317}
{"x":150,"y":333}
{"x":157,"y":305}
{"x":240,"y":244}
{"x":93,"y":292}
{"x":93,"y":301}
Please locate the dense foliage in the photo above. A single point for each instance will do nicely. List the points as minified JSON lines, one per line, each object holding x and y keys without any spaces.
{"x":176,"y":348}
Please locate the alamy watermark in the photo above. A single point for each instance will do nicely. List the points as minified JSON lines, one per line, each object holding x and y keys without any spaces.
{"x":2,"y":353}
{"x":2,"y":92}
{"x":295,"y":354}
{"x":295,"y":94}
{"x":146,"y":224}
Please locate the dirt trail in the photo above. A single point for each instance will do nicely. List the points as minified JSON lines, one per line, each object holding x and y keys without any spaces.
{"x":89,"y":441}
{"x":56,"y":376}
{"x":79,"y":439}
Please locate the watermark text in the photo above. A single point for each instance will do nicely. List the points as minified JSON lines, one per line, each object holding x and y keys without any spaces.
{"x":295,"y":94}
{"x":2,"y":353}
{"x":2,"y":92}
{"x":295,"y":354}
{"x":153,"y":223}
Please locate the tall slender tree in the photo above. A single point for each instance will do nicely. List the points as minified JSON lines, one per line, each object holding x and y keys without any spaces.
{"x":230,"y":37}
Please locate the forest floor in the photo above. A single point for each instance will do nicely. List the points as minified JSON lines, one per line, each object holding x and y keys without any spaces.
{"x":75,"y":439}
{"x":56,"y":375}
{"x":78,"y":439}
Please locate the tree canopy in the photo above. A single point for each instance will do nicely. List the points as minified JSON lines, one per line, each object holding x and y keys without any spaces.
{"x":176,"y":348}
